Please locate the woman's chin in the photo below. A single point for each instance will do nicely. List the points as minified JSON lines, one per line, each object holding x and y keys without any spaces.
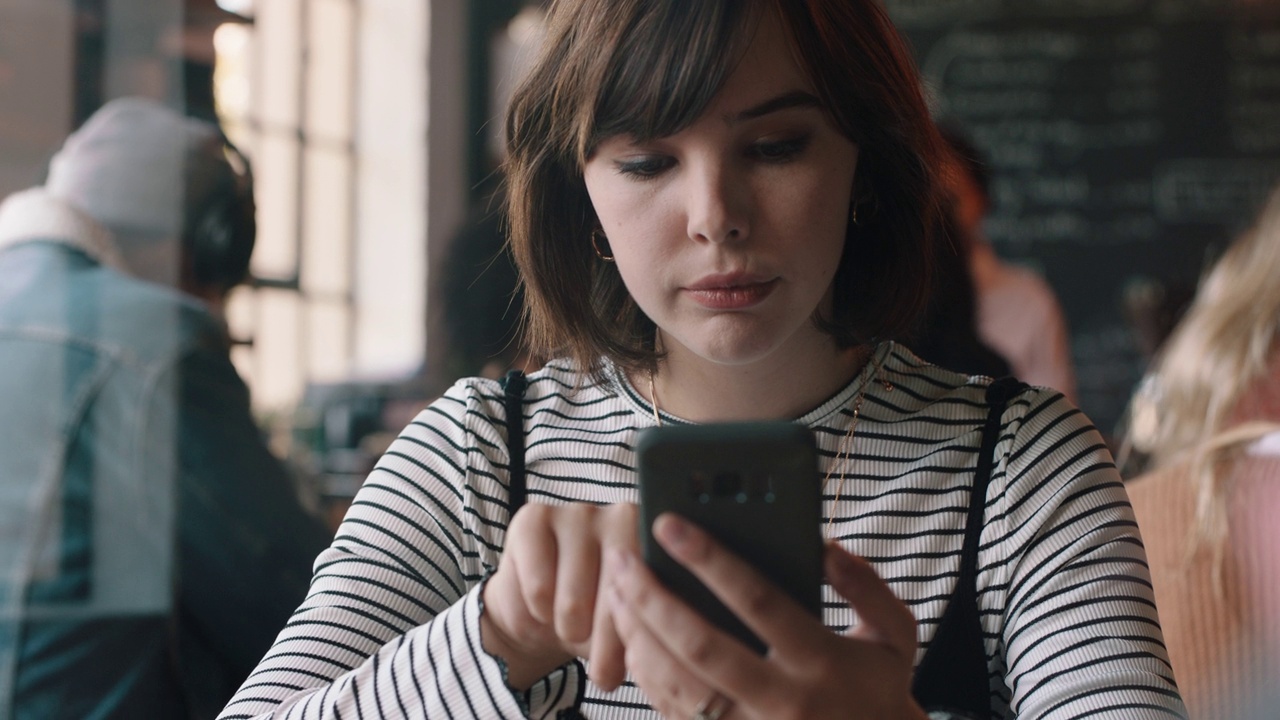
{"x":738,"y":350}
{"x":742,"y":339}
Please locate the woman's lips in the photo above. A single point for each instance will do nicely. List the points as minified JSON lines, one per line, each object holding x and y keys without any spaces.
{"x":731,"y":293}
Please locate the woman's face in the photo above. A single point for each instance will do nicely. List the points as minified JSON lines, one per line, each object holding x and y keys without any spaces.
{"x":728,"y":233}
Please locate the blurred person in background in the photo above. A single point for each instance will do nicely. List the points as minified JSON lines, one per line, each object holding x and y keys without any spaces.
{"x":1208,"y":416}
{"x":1018,"y":313}
{"x":150,"y":544}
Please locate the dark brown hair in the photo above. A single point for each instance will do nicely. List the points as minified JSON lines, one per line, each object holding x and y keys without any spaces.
{"x":648,"y":69}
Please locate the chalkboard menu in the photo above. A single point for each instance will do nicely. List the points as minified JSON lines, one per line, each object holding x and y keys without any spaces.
{"x":1127,"y":139}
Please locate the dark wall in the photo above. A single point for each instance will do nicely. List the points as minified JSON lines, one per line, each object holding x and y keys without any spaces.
{"x":1128,"y":139}
{"x":483,"y":20}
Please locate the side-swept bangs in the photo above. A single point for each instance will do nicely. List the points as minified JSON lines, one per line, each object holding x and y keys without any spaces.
{"x":665,"y":69}
{"x":640,"y":68}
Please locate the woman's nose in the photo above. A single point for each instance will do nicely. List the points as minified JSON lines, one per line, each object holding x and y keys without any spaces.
{"x":718,"y":204}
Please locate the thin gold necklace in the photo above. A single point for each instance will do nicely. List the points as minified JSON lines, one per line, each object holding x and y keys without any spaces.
{"x":843,"y":450}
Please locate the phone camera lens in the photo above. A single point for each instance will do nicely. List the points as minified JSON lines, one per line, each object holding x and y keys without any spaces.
{"x":726,"y":484}
{"x":700,"y":486}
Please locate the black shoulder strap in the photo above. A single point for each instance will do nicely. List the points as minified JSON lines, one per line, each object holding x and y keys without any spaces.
{"x":952,"y":675}
{"x":513,"y":387}
{"x":999,"y":393}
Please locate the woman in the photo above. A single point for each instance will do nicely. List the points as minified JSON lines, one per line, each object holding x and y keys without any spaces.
{"x":1209,"y":417}
{"x":719,"y":210}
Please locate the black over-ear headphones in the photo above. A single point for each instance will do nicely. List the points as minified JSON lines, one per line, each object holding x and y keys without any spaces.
{"x":220,"y":224}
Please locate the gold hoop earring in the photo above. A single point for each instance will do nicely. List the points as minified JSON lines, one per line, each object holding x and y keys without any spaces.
{"x":870,"y":200}
{"x":595,"y":245}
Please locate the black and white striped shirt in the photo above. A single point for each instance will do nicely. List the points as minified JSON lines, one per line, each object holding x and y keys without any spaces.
{"x":391,"y":625}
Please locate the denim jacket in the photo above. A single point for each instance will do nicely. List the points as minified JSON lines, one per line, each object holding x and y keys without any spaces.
{"x":150,"y":545}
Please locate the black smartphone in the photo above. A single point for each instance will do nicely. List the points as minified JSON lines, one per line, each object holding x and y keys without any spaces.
{"x":753,"y":486}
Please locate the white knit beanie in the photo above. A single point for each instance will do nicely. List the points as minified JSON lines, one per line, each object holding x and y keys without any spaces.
{"x":125,"y":167}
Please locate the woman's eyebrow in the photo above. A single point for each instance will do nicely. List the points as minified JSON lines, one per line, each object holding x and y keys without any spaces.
{"x":785,"y":101}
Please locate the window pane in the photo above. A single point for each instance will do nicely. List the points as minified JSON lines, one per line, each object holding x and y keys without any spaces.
{"x":329,"y":341}
{"x":277,"y":24}
{"x":326,"y":253}
{"x":280,"y":368}
{"x":329,"y":73}
{"x":275,"y":175}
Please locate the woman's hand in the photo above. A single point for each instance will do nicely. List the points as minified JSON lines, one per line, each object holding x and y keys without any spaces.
{"x":680,"y":660}
{"x":544,"y":606}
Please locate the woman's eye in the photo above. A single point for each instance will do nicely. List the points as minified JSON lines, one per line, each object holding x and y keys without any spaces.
{"x":780,"y":150}
{"x":645,"y":167}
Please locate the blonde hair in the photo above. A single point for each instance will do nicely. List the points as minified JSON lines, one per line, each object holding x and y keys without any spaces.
{"x":1187,"y":408}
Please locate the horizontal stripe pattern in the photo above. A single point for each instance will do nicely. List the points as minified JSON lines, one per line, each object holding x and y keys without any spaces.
{"x":391,"y":625}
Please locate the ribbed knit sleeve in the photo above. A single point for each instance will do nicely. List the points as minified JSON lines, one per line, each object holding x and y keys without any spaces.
{"x":1078,"y":626}
{"x":391,"y":625}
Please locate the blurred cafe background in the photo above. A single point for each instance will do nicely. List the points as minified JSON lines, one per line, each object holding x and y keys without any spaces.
{"x":1128,"y":141}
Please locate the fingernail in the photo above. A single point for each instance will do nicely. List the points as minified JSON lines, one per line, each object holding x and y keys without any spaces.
{"x":671,"y":529}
